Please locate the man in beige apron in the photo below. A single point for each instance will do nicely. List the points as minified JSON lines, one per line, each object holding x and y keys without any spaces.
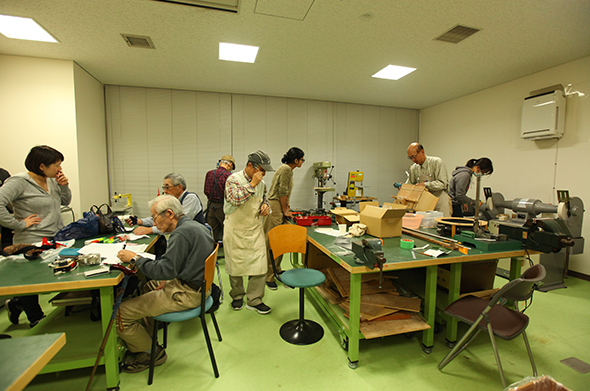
{"x":243,"y":236}
{"x":431,"y":172}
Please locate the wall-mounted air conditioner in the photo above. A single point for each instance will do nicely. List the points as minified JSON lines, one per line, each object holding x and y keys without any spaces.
{"x":543,"y":116}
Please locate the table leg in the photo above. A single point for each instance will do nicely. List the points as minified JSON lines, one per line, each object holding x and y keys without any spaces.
{"x":429,"y":308}
{"x":354,"y":320}
{"x":515,"y":267}
{"x":107,"y":298}
{"x":454,"y":292}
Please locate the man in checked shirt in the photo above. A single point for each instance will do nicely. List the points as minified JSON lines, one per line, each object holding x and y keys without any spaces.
{"x":214,"y":190}
{"x":244,"y":241}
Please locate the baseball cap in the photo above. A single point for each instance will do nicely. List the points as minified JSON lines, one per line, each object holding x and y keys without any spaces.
{"x":261,"y":159}
{"x":229,"y":158}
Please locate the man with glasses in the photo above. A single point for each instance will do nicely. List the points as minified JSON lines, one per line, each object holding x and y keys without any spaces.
{"x":430,"y":172}
{"x":174,"y":185}
{"x":215,"y":190}
{"x":175,"y":279}
{"x":243,"y":237}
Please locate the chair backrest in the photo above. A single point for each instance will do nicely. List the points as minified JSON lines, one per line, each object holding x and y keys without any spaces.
{"x":210,"y":267}
{"x":520,"y":289}
{"x":287,"y":238}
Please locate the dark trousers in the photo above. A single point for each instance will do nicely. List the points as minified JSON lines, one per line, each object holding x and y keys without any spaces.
{"x":215,"y":218}
{"x":457,"y":210}
{"x":30,"y":304}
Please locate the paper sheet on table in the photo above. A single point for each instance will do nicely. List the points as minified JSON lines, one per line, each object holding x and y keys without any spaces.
{"x":109,"y":251}
{"x":435,"y":253}
{"x":328,"y":231}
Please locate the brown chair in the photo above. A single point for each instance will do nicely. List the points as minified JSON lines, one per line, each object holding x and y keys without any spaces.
{"x":285,"y":239}
{"x":491,"y":315}
{"x":200,"y":311}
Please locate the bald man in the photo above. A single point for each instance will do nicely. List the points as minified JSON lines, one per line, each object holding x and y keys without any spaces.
{"x":430,"y":172}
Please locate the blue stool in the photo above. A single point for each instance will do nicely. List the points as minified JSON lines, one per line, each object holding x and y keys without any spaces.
{"x":286,"y":239}
{"x":206,"y":303}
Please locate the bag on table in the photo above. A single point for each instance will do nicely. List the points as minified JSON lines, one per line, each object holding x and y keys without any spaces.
{"x":107,"y":222}
{"x":86,"y":227}
{"x":30,"y":251}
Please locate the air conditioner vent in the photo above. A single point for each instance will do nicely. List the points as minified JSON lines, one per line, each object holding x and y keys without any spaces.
{"x":457,"y":34}
{"x":138,"y":41}
{"x":219,"y":5}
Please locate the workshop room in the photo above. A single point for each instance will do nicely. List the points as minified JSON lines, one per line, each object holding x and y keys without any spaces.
{"x":127,"y":93}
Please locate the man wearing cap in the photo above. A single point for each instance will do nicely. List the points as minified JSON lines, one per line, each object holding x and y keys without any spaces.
{"x":243,"y":237}
{"x":214,"y":190}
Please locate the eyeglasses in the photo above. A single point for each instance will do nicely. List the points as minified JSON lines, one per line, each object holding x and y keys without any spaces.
{"x":166,"y":187}
{"x":302,"y":160}
{"x":159,"y":214}
{"x":412,"y":157}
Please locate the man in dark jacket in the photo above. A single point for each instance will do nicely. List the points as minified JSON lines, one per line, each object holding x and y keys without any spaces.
{"x":176,"y":279}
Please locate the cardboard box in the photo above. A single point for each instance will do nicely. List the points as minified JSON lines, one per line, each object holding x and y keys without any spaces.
{"x":383,"y":222}
{"x":475,"y":276}
{"x":416,"y":197}
{"x":345,"y":216}
{"x":362,"y":205}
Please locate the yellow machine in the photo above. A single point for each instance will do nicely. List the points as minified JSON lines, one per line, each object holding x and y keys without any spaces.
{"x":119,"y":208}
{"x":353,"y":189}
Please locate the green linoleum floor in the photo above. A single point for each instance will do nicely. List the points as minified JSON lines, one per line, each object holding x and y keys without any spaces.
{"x":252,"y":356}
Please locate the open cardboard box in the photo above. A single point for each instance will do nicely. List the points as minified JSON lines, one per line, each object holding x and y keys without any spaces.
{"x":345,"y":216}
{"x":416,"y":197}
{"x":383,"y":222}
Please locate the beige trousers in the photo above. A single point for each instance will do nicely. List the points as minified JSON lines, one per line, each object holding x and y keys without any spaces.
{"x":255,"y":293}
{"x":174,"y":297}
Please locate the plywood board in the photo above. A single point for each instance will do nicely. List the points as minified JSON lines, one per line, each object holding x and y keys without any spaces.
{"x":341,"y":278}
{"x":396,"y":316}
{"x":393,"y":327}
{"x":369,"y":312}
{"x":329,"y":294}
{"x":392,"y":301}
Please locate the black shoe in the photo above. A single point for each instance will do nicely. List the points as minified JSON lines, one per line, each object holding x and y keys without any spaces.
{"x":141,"y":361}
{"x":13,"y":309}
{"x":272,"y":285}
{"x":35,"y":323}
{"x":261,"y":308}
{"x":237,"y":304}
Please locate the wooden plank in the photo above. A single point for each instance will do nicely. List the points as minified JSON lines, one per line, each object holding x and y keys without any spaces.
{"x":393,"y":327}
{"x":396,"y":316}
{"x":329,"y":294}
{"x":391,"y":301}
{"x":332,"y":273}
{"x":369,"y":312}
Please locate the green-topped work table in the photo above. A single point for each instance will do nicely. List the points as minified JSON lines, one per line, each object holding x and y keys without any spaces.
{"x":397,"y":259}
{"x":24,"y":277}
{"x":21,"y":359}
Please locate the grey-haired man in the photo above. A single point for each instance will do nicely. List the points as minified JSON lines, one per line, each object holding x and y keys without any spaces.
{"x":174,"y":185}
{"x":243,"y":238}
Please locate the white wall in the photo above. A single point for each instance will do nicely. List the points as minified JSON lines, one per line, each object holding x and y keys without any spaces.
{"x":487,"y":123}
{"x":56,"y":103}
{"x":153,"y":132}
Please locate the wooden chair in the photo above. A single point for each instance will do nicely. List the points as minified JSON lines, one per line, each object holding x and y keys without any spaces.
{"x":180,"y":316}
{"x":285,"y":239}
{"x":491,"y":315}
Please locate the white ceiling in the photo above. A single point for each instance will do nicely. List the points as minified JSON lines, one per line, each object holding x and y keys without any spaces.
{"x":314,"y":49}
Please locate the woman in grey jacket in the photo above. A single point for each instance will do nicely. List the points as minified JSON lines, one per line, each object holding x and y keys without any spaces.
{"x":460,"y":181}
{"x":36,"y":197}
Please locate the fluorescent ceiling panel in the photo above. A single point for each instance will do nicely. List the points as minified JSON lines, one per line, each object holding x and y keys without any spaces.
{"x":393,"y":72}
{"x":235,"y":52}
{"x":23,"y":28}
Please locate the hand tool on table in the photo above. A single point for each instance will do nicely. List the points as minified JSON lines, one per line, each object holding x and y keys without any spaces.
{"x":370,"y":253}
{"x":442,"y":241}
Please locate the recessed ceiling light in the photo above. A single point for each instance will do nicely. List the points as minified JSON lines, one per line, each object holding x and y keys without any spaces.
{"x":24,"y":28}
{"x":235,"y":52}
{"x":393,"y":72}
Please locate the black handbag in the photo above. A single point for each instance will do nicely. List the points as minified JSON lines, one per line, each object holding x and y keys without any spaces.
{"x":107,"y":222}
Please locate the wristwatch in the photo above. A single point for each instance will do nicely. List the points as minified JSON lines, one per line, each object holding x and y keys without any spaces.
{"x":133,"y":261}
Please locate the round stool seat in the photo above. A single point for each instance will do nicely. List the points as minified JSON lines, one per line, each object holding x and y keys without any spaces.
{"x":303,"y":278}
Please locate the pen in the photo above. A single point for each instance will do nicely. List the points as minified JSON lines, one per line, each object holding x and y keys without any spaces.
{"x":124,"y":245}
